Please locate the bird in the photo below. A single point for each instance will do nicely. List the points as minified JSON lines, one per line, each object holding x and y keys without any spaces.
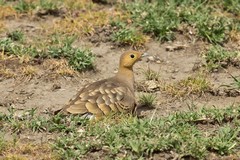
{"x":111,"y":95}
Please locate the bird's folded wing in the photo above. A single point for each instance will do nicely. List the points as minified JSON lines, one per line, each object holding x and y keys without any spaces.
{"x":101,"y":98}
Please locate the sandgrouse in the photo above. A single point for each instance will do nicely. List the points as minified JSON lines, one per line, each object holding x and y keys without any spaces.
{"x":115,"y":94}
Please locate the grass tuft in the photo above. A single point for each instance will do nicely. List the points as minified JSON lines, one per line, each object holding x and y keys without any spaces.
{"x":59,"y":66}
{"x":78,"y":59}
{"x":16,"y":35}
{"x":195,"y":85}
{"x":129,"y":37}
{"x":162,"y":19}
{"x":28,"y":71}
{"x":6,"y":12}
{"x":7,"y":73}
{"x":151,"y":74}
{"x":224,"y":140}
{"x":83,"y":24}
{"x":3,"y":144}
{"x":147,"y":99}
{"x":154,"y":18}
{"x":24,"y":6}
{"x":232,"y":6}
{"x":217,"y":57}
{"x":77,"y":5}
{"x":48,"y":5}
{"x":235,"y":84}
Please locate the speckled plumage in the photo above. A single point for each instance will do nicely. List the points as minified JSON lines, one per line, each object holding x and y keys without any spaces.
{"x":115,"y":94}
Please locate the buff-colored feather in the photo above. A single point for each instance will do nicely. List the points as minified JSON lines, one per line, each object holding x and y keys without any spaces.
{"x":115,"y":94}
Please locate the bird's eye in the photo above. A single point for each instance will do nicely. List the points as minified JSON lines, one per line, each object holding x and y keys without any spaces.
{"x":132,"y":56}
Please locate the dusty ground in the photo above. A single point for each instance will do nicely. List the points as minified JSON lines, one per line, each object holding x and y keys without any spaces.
{"x":41,"y":92}
{"x":47,"y":92}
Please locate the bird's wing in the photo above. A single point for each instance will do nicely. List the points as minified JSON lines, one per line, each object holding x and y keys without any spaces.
{"x":101,"y":98}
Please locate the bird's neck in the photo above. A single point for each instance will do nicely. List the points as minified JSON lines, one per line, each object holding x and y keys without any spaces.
{"x":126,"y":74}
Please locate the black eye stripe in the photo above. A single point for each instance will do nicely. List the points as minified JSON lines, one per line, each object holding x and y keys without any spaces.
{"x":132,"y":56}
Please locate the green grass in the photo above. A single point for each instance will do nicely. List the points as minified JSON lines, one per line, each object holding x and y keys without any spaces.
{"x":28,"y":120}
{"x":217,"y":57}
{"x":192,"y":85}
{"x":161,"y":19}
{"x":154,"y":18}
{"x":49,"y":5}
{"x":16,"y":35}
{"x":136,"y":138}
{"x":3,"y":143}
{"x":23,"y":6}
{"x":147,"y":99}
{"x":12,"y":48}
{"x":236,"y":82}
{"x":79,"y":59}
{"x":2,"y":2}
{"x":224,"y":139}
{"x":151,"y":74}
{"x":232,"y":6}
{"x":129,"y":37}
{"x":212,"y":21}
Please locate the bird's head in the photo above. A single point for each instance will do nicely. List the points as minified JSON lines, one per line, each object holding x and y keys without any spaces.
{"x":129,"y":58}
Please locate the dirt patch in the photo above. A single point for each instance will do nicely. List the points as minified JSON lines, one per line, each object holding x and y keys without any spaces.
{"x":39,"y":92}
